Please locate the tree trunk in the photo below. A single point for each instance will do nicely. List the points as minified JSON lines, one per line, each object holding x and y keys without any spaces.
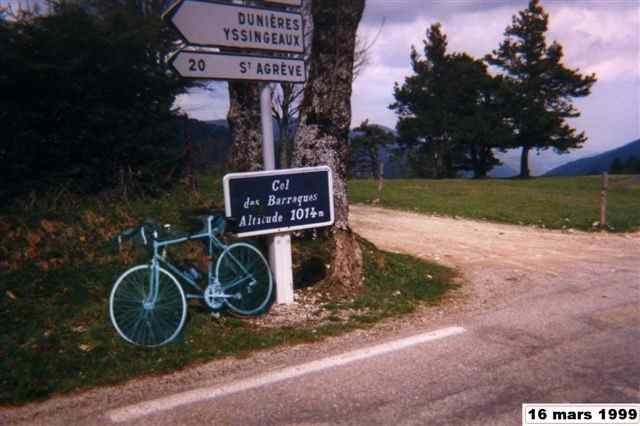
{"x":475,"y":161}
{"x":245,"y":154}
{"x":524,"y":163}
{"x":325,"y":117}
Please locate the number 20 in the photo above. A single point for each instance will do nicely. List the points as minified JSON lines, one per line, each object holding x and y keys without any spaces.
{"x":199,"y":65}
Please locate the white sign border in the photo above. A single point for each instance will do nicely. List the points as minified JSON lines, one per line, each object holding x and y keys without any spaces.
{"x":227,"y":197}
{"x":190,"y":49}
{"x":173,"y":9}
{"x":298,"y":3}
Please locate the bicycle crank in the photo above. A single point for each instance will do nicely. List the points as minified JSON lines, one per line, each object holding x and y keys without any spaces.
{"x":214,"y":297}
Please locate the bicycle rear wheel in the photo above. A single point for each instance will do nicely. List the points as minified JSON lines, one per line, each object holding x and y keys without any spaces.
{"x":245,"y":277}
{"x":138,"y":316}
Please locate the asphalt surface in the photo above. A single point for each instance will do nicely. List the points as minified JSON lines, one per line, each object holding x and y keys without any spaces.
{"x":566,"y":345}
{"x":569,"y":338}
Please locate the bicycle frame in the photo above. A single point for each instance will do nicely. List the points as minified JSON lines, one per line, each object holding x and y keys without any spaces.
{"x":159,"y":259}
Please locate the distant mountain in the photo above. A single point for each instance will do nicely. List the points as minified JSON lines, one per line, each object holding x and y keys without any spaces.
{"x":599,"y":163}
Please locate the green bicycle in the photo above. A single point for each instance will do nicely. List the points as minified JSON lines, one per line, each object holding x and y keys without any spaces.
{"x":148,"y":304}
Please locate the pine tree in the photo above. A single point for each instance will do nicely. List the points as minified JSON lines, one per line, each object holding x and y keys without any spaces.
{"x":541,"y":86}
{"x":450,"y":112}
{"x":422,"y":125}
{"x":616,"y":167}
{"x":364,"y":154}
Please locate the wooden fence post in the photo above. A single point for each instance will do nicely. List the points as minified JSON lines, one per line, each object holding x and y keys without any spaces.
{"x":380,"y":178}
{"x":603,"y":200}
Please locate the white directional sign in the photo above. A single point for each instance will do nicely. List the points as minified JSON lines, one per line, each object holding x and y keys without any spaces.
{"x":227,"y":66}
{"x":286,"y":2}
{"x":206,"y":23}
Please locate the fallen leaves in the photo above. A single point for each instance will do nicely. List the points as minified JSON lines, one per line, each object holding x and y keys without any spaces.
{"x":85,"y":347}
{"x":52,"y":263}
{"x":33,"y":238}
{"x":50,"y":226}
{"x":92,"y":219}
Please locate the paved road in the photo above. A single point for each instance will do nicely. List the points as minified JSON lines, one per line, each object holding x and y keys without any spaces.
{"x":571,"y":337}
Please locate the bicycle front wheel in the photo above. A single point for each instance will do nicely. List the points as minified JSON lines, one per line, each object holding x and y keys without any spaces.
{"x":245,"y":277}
{"x":144,"y":315}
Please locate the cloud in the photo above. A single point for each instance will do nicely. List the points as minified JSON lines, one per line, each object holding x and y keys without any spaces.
{"x":598,"y":36}
{"x":601,"y":40}
{"x":205,"y":105}
{"x":404,"y":11}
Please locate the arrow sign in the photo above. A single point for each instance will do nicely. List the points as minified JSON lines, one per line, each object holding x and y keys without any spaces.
{"x":204,"y":23}
{"x":231,"y":66}
{"x":286,"y":2}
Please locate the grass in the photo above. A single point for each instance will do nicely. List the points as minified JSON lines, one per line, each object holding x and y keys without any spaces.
{"x":547,"y":202}
{"x":57,"y":265}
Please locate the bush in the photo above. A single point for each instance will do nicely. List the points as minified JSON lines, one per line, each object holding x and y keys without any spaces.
{"x":87,"y":101}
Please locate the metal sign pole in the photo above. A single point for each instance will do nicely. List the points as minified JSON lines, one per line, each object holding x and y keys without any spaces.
{"x":279,"y":244}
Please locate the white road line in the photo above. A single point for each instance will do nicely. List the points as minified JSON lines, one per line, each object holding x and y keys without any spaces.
{"x":146,"y":408}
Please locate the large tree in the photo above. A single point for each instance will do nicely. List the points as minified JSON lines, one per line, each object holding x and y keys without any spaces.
{"x":450,"y":114}
{"x":541,"y":87}
{"x":477,"y":122}
{"x":325,"y":118}
{"x":422,"y":128}
{"x":245,"y":154}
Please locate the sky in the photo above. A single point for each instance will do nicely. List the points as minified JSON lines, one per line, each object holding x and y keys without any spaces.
{"x":598,"y":36}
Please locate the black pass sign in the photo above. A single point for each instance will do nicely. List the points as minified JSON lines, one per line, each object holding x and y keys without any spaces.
{"x":279,"y":200}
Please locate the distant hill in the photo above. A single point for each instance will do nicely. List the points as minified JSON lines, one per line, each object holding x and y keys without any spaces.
{"x":212,"y":141}
{"x":597,"y":164}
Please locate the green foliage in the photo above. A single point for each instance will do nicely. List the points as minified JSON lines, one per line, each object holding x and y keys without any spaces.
{"x":616,"y":167}
{"x":631,"y":166}
{"x":450,"y":112}
{"x":87,"y":100}
{"x":364,"y":149}
{"x":541,"y":87}
{"x":546,"y":202}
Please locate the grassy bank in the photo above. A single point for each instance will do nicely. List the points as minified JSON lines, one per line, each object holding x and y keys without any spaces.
{"x":550,"y":202}
{"x":57,"y":265}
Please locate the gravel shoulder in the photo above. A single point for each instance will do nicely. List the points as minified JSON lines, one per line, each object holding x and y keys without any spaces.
{"x":499,"y":261}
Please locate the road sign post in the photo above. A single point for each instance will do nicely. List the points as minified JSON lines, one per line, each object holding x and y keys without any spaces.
{"x":280,"y":244}
{"x":270,"y":30}
{"x":275,"y":203}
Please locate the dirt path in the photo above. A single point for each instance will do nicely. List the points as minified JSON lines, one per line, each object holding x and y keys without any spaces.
{"x":498,"y":261}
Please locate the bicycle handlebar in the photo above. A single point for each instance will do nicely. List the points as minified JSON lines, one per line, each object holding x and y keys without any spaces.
{"x":149,"y":231}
